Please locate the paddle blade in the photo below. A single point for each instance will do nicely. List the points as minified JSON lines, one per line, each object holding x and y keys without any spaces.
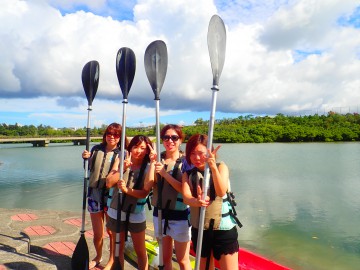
{"x":156,"y":61}
{"x":216,"y":40}
{"x":116,"y":265}
{"x":90,"y":79}
{"x":125,"y":69}
{"x":80,"y":258}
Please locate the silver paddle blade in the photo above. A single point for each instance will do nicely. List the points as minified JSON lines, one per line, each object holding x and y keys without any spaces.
{"x":156,"y":62}
{"x":216,"y":40}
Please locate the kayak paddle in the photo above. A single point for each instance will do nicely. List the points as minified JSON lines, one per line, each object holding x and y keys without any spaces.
{"x":156,"y":61}
{"x":216,"y":39}
{"x":125,"y":71}
{"x":90,"y":81}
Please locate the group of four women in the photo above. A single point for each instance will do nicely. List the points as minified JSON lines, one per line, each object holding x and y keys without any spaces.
{"x":181,"y":177}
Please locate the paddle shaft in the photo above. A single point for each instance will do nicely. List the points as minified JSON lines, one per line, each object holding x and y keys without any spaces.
{"x":155,"y":61}
{"x":205,"y":184}
{"x":118,"y":221}
{"x":86,"y":170}
{"x":159,"y":186}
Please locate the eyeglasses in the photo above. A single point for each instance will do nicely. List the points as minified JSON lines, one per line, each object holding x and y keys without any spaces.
{"x":174,"y":138}
{"x":116,"y":136}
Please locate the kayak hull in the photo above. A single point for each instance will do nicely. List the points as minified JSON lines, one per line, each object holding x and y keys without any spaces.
{"x":247,"y":260}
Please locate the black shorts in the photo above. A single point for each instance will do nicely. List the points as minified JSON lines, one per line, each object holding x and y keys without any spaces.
{"x":220,"y":242}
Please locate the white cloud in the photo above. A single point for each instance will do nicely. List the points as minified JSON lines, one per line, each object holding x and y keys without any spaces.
{"x":46,"y":44}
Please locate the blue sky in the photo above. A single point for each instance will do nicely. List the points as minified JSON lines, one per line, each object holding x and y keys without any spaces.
{"x":282,"y":56}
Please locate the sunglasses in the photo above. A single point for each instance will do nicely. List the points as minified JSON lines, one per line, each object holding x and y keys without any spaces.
{"x":116,"y":136}
{"x":174,"y":138}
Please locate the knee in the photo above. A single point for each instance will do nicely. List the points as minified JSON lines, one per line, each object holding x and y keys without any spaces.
{"x":109,"y":232}
{"x":183,"y":262}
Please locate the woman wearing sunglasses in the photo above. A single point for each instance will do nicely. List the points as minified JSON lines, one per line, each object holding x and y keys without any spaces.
{"x":102,"y":158}
{"x":175,"y":225}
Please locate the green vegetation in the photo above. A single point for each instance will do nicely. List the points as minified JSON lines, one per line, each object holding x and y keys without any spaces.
{"x":243,"y":129}
{"x":312,"y":128}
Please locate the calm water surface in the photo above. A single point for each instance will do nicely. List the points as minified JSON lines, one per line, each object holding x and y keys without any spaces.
{"x":299,"y":203}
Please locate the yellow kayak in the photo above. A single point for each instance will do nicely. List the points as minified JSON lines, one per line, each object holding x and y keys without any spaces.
{"x":152,"y":249}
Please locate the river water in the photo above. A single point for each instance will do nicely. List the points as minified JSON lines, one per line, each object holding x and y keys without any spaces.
{"x":299,"y":203}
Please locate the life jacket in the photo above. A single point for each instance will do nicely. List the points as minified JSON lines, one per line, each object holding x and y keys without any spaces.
{"x":134,"y":179}
{"x":172,"y":203}
{"x":219,"y":208}
{"x":171,"y":199}
{"x":100,"y":166}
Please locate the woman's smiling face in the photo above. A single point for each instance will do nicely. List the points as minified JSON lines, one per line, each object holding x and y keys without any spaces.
{"x":198,"y":156}
{"x":171,"y":140}
{"x":139,"y":151}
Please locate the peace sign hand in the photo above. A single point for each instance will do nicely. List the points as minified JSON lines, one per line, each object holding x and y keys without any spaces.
{"x":152,"y":154}
{"x":211,"y":158}
{"x":127,"y":160}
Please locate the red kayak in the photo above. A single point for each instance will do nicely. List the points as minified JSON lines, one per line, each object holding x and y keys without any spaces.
{"x":251,"y":261}
{"x":247,"y":259}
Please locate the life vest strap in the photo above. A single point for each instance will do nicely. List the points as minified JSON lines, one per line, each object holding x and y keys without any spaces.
{"x":148,"y":203}
{"x":235,"y":218}
{"x":211,"y":236}
{"x":166,"y":218}
{"x":127,"y":220}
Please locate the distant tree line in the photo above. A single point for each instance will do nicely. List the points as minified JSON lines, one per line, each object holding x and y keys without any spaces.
{"x":332,"y":127}
{"x":312,"y":128}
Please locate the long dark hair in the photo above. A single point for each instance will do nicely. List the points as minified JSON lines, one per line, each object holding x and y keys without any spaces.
{"x":138,"y":139}
{"x":194,"y":141}
{"x":116,"y":129}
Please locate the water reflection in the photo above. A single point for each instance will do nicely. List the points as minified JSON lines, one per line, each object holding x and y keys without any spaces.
{"x":299,"y":203}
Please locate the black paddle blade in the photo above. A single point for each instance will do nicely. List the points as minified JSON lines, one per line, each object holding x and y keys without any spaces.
{"x":216,"y":40}
{"x":80,"y":258}
{"x":156,"y":61}
{"x":90,"y":79}
{"x":125,"y":69}
{"x":116,"y":265}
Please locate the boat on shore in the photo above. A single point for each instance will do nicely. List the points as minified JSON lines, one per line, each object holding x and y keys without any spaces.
{"x":247,"y":260}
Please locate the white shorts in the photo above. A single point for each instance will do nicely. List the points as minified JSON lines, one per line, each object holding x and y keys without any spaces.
{"x":179,"y":230}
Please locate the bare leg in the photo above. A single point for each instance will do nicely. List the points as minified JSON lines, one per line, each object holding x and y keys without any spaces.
{"x":211,"y":265}
{"x":228,"y":261}
{"x":182,"y":254}
{"x":97,"y":221}
{"x":167,"y":252}
{"x":121,"y":251}
{"x":140,"y":249}
{"x":112,"y":252}
{"x":111,"y":245}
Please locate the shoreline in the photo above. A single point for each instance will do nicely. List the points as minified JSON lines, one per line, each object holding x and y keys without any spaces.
{"x":44,"y":239}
